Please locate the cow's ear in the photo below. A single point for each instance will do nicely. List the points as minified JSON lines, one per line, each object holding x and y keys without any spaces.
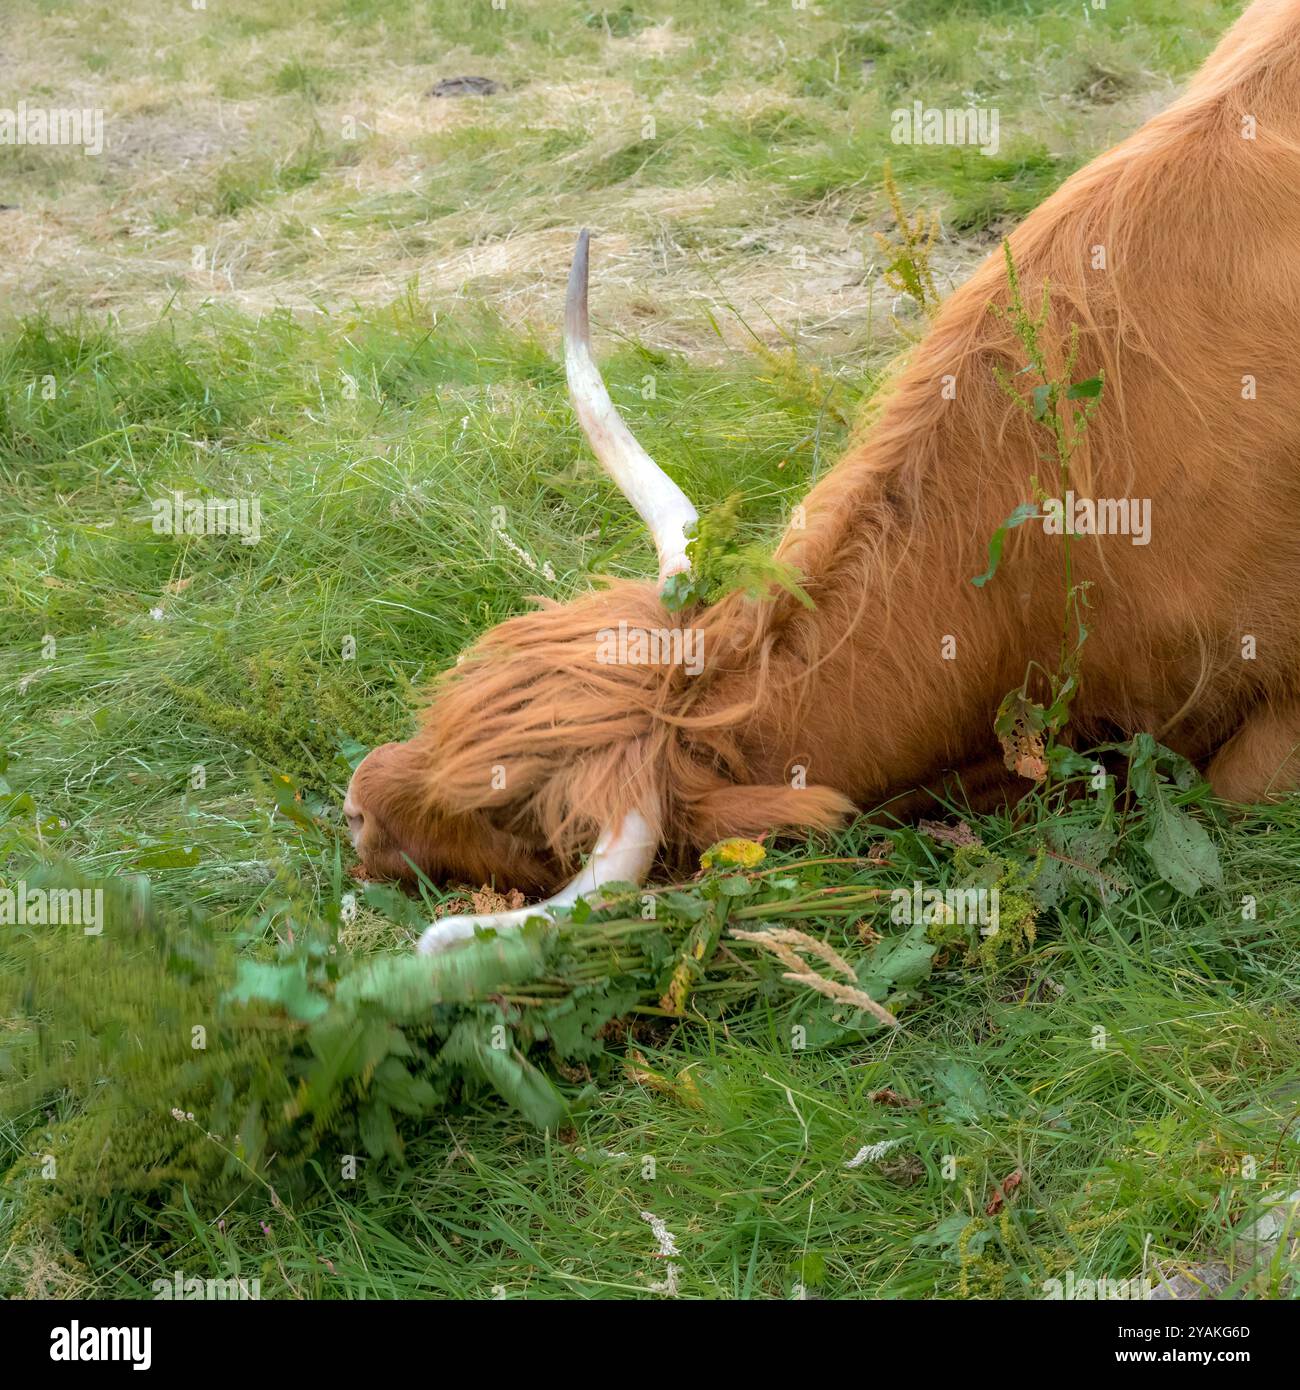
{"x":747,"y":811}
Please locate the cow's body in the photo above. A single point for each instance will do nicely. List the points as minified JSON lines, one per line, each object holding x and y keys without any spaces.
{"x":1195,"y":319}
{"x":1178,"y":255}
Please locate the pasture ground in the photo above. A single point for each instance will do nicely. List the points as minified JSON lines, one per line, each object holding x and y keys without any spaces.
{"x":294,"y":274}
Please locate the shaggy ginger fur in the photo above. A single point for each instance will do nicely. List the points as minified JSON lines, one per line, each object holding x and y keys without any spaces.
{"x":1192,"y":310}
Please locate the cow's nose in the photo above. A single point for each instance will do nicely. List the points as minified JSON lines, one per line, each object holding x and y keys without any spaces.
{"x":355,"y":817}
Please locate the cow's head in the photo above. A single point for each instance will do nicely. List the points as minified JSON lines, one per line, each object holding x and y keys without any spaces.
{"x":472,"y":797}
{"x":399,"y":825}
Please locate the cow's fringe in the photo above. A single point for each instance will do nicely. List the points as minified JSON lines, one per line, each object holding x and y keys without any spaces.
{"x":575,"y":741}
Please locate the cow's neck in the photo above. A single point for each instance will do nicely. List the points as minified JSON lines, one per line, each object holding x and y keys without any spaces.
{"x":896,"y":673}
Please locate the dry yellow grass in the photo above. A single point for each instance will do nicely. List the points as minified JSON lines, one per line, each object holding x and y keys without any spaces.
{"x":193,"y":105}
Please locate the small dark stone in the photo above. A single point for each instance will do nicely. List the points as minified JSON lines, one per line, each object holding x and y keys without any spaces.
{"x":464,"y":87}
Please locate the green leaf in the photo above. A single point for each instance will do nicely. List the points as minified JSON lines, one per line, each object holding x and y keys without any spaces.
{"x":1179,"y":848}
{"x":1181,"y":851}
{"x":1024,"y":512}
{"x":1019,"y":717}
{"x":398,"y":1089}
{"x":289,"y":802}
{"x":904,"y":267}
{"x":677,"y":592}
{"x":947,"y":1235}
{"x":689,"y":906}
{"x":336,"y":1047}
{"x":572,"y":1025}
{"x":20,"y":805}
{"x":350,"y":751}
{"x":898,"y":963}
{"x":507,"y":1071}
{"x":1085,"y":390}
{"x":966,"y":1096}
{"x":379,"y":1132}
{"x":721,"y":564}
{"x":1083,"y":865}
{"x":1063,"y":761}
{"x":284,"y":985}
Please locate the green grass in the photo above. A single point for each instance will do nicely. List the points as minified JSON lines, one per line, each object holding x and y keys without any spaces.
{"x":335,"y":427}
{"x":379,"y":432}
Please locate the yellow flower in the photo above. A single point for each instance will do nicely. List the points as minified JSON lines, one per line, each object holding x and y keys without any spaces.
{"x":740,"y":854}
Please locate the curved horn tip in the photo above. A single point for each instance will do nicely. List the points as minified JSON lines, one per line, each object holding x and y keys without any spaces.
{"x":452,"y":930}
{"x":624,"y":852}
{"x":575,"y":301}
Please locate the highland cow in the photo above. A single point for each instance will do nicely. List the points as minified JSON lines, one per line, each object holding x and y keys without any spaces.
{"x":1177,"y":255}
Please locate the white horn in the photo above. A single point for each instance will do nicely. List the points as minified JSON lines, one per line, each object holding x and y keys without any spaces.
{"x":621,"y":856}
{"x":661,"y":504}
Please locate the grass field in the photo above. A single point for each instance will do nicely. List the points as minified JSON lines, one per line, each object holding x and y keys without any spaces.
{"x":295,"y":275}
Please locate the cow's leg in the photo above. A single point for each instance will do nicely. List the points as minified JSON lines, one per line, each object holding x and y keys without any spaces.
{"x":1261,"y":761}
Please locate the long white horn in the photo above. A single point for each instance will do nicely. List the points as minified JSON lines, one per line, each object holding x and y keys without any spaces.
{"x":662,"y":505}
{"x":623,"y":855}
